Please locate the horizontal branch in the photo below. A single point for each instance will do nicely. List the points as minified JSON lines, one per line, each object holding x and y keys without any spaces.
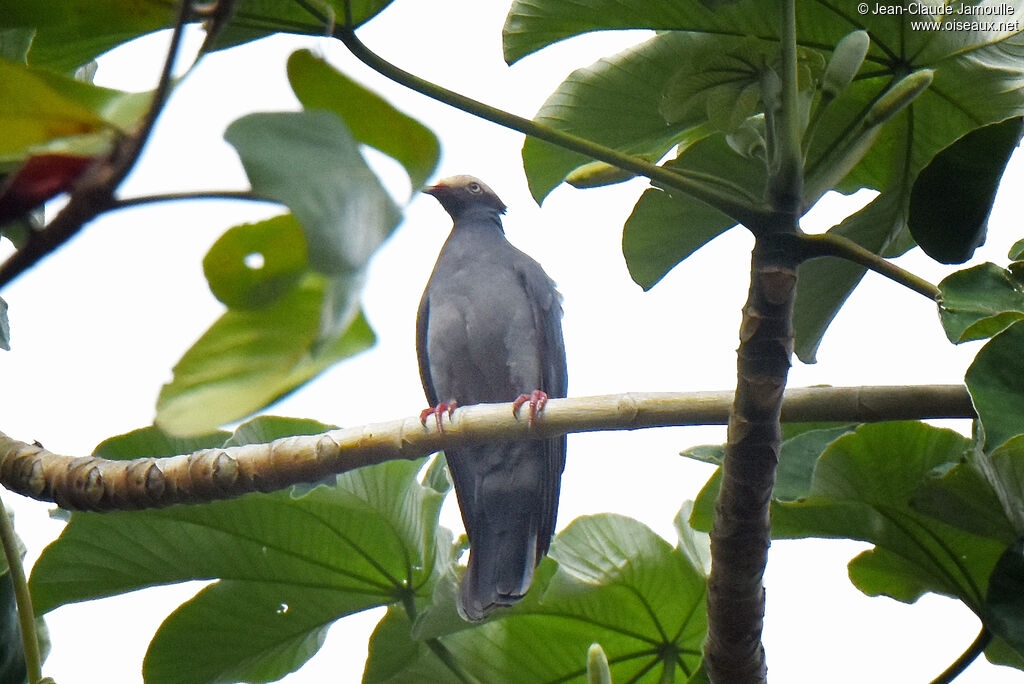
{"x":90,"y":483}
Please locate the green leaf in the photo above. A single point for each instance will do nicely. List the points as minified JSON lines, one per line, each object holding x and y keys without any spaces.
{"x":965,"y":498}
{"x":614,"y":102}
{"x":953,"y":195}
{"x":994,"y":381}
{"x":533,"y":24}
{"x":244,"y":631}
{"x":286,"y":567}
{"x":703,"y":514}
{"x":863,"y":487}
{"x":310,"y":162}
{"x":1017,"y":250}
{"x":152,"y":442}
{"x":617,"y":584}
{"x":879,"y":572}
{"x":33,"y":111}
{"x":1004,"y":613}
{"x":437,"y":477}
{"x":1004,"y":469}
{"x":705,"y":453}
{"x":74,"y":32}
{"x":823,"y":284}
{"x":14,"y":44}
{"x":663,"y":230}
{"x":255,"y":19}
{"x":1001,"y":653}
{"x":802,"y":445}
{"x":721,"y":81}
{"x":254,"y":264}
{"x":980,"y":302}
{"x":667,"y":227}
{"x":369,"y":117}
{"x":798,"y":459}
{"x":264,"y":429}
{"x":250,"y":358}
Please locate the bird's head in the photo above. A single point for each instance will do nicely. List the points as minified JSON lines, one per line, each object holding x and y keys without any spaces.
{"x":462,"y":194}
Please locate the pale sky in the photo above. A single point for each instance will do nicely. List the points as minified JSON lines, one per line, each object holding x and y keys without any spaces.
{"x":97,"y":327}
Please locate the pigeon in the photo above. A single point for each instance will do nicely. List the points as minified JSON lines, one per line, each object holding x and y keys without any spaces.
{"x":489,"y":330}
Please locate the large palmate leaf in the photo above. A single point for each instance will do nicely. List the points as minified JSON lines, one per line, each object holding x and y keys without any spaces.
{"x":39,"y":107}
{"x":253,"y":264}
{"x":977,"y":80}
{"x":250,"y":357}
{"x":944,"y":517}
{"x":953,"y":195}
{"x":994,"y":380}
{"x":616,"y":583}
{"x":285,"y":566}
{"x":823,"y":284}
{"x":862,"y":488}
{"x":310,"y":162}
{"x":369,"y":117}
{"x":666,"y":227}
{"x":980,"y":302}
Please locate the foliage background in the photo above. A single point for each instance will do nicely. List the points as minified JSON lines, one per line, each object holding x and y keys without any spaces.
{"x":98,"y":326}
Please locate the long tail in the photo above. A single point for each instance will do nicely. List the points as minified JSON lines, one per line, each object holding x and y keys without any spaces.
{"x":500,"y":569}
{"x":508,"y":493}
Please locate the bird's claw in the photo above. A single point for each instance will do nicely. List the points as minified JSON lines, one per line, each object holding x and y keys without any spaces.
{"x":437,"y":412}
{"x":536,"y":399}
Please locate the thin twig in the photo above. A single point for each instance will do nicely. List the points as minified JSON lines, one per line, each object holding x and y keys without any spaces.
{"x":248,"y":195}
{"x":22,"y":597}
{"x":828,"y":244}
{"x":976,"y":648}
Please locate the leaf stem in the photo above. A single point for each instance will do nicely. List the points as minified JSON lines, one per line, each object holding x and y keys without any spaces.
{"x":435,"y":645}
{"x":701,"y":186}
{"x":248,"y":195}
{"x":828,"y":244}
{"x":22,"y":597}
{"x":450,"y":661}
{"x":787,"y":181}
{"x":976,"y":648}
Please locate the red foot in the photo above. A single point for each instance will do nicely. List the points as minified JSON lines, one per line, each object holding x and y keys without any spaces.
{"x":537,"y":399}
{"x":437,"y":412}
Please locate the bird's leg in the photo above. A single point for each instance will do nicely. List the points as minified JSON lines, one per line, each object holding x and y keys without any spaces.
{"x":537,"y":399}
{"x":437,"y":412}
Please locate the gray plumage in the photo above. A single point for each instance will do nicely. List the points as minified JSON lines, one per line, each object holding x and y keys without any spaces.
{"x":489,"y":330}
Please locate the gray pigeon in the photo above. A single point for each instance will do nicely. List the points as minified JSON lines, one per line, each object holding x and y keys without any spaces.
{"x":489,"y":330}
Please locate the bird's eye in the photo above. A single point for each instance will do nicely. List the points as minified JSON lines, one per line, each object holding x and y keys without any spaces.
{"x":474,"y":187}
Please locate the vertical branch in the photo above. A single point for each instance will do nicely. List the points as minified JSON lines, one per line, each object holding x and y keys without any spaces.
{"x":22,"y":598}
{"x":742,"y":529}
{"x":741,"y":532}
{"x":786,"y":182}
